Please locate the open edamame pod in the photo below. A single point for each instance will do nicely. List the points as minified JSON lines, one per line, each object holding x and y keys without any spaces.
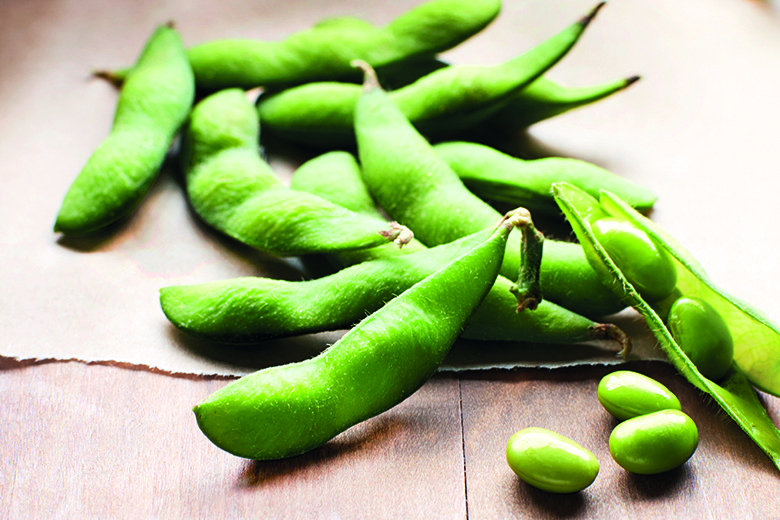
{"x":756,"y":340}
{"x":414,"y":186}
{"x":287,"y":410}
{"x":234,"y":190}
{"x":153,"y":104}
{"x":496,"y":176}
{"x":445,"y":101}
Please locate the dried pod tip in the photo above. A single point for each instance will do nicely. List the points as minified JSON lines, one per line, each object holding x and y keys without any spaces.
{"x":592,"y":14}
{"x":110,"y":76}
{"x":613,"y":332}
{"x":631,"y":80}
{"x":370,"y":80}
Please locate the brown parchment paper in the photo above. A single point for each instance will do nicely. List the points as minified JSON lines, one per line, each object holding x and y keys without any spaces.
{"x":700,"y":129}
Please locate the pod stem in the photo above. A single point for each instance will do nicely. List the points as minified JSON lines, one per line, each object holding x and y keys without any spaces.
{"x":613,"y":332}
{"x":528,"y":288}
{"x":370,"y":80}
{"x":399,"y":234}
{"x":115,"y":78}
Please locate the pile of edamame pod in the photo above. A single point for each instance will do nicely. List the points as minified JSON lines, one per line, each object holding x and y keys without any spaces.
{"x":389,"y":147}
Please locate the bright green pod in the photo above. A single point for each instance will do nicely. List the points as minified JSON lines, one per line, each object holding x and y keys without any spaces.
{"x":551,"y":462}
{"x":325,"y":51}
{"x":655,"y":442}
{"x":287,"y":410}
{"x":335,"y":176}
{"x":152,"y":106}
{"x":234,"y":190}
{"x":545,"y":98}
{"x":703,"y":335}
{"x":496,"y":176}
{"x":756,"y":339}
{"x":253,"y":309}
{"x":414,"y":186}
{"x":627,"y":394}
{"x":447,"y":100}
{"x":646,"y":265}
{"x":495,"y":318}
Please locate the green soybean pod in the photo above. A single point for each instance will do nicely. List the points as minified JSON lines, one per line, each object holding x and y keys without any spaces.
{"x":335,"y":176}
{"x":287,"y":410}
{"x":756,"y":339}
{"x":549,"y":461}
{"x":492,"y":320}
{"x":152,"y":105}
{"x":234,"y":190}
{"x":655,"y":442}
{"x":703,"y":335}
{"x":251,"y":309}
{"x":545,"y":98}
{"x":326,"y":51}
{"x":414,"y":186}
{"x":443,"y":102}
{"x":626,"y":394}
{"x":496,"y":176}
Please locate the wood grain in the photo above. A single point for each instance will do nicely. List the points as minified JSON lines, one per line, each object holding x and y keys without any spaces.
{"x":728,"y":473}
{"x":96,"y":441}
{"x":92,"y":441}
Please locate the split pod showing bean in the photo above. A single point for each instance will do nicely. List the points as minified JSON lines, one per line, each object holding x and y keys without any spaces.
{"x":754,"y":338}
{"x":447,"y":100}
{"x":290,"y":409}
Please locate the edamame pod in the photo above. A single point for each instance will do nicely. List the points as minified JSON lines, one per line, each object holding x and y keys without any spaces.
{"x":445,"y":101}
{"x":756,"y":340}
{"x":252,"y":309}
{"x":492,"y":320}
{"x":234,"y":190}
{"x":494,"y":175}
{"x":326,"y":51}
{"x":544,"y":98}
{"x":152,"y":105}
{"x":287,"y":410}
{"x":414,"y":186}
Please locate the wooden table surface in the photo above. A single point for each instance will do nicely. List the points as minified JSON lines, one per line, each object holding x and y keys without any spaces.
{"x":99,"y":441}
{"x":109,"y":439}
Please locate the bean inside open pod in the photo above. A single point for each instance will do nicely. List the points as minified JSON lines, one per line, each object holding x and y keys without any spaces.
{"x":756,"y":340}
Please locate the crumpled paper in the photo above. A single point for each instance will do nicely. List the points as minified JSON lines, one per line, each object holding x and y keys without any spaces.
{"x":699,"y":129}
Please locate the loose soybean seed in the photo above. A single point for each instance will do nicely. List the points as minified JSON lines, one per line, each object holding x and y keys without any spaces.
{"x":655,"y":442}
{"x":626,"y":394}
{"x":550,"y":461}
